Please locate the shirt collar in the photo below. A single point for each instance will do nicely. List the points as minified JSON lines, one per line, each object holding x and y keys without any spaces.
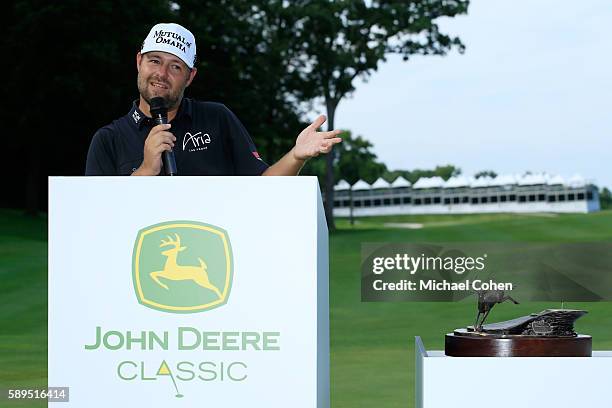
{"x":140,"y":120}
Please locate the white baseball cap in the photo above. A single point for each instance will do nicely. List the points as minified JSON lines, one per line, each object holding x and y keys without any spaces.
{"x":171,"y":38}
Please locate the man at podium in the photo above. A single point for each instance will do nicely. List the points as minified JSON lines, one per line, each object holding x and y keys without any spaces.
{"x":206,"y":138}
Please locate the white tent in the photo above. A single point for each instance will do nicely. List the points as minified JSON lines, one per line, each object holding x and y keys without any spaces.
{"x":400,"y":182}
{"x":504,"y":180}
{"x":533,"y":179}
{"x":342,"y":186}
{"x":457,"y":181}
{"x":360,"y":186}
{"x":482,"y":182}
{"x":555,"y":180}
{"x":576,"y":181}
{"x":429,"y":182}
{"x":381,"y":183}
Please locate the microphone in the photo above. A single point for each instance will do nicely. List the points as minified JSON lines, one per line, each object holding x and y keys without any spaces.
{"x":159,"y":112}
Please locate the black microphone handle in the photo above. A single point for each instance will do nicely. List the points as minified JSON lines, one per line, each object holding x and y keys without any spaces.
{"x":167,"y":156}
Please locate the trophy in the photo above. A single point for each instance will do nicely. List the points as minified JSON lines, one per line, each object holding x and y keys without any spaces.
{"x":549,"y":333}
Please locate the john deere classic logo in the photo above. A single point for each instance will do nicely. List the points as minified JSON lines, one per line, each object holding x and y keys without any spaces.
{"x":182,"y":267}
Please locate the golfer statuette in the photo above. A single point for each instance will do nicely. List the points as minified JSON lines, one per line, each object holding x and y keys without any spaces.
{"x":549,"y":333}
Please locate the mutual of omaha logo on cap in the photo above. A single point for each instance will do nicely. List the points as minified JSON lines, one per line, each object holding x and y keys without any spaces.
{"x":171,"y":38}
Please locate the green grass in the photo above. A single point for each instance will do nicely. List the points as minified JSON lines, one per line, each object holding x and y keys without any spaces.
{"x":372,"y":344}
{"x":23,"y":295}
{"x":372,"y":356}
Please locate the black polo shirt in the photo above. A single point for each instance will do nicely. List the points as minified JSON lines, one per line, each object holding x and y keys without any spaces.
{"x":210,"y":141}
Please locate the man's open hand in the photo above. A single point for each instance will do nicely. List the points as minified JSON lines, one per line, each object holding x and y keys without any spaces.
{"x":311,"y":143}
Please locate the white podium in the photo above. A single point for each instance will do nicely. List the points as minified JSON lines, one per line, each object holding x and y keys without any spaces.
{"x":510,"y":382}
{"x":188,"y":291}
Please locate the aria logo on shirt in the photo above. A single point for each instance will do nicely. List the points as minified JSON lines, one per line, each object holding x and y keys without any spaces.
{"x":196,"y":141}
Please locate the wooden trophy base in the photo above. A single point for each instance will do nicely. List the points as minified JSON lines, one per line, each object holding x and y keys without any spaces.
{"x":464,"y":343}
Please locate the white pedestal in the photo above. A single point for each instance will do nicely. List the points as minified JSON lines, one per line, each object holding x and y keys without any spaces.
{"x":210,"y":292}
{"x":510,"y":382}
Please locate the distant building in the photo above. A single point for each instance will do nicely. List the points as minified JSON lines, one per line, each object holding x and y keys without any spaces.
{"x":461,"y":195}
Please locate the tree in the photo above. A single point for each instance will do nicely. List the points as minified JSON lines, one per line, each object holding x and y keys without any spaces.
{"x":605,"y":199}
{"x":485,"y":173}
{"x":72,"y":70}
{"x":243,"y":52}
{"x":338,"y":41}
{"x":355,"y":161}
{"x":447,"y":171}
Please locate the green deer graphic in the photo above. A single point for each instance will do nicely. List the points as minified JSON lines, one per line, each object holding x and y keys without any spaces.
{"x":173,"y":271}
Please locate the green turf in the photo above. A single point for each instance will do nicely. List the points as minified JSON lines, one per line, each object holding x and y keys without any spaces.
{"x":372,"y":356}
{"x":372,"y":344}
{"x":23,"y":295}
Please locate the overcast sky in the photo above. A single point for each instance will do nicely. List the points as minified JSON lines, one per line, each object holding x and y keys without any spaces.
{"x":532,"y":92}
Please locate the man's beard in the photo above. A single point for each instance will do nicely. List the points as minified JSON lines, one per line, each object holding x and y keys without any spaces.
{"x":171,"y":97}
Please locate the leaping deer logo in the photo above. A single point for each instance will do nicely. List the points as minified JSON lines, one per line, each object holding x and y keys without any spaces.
{"x":173,"y":271}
